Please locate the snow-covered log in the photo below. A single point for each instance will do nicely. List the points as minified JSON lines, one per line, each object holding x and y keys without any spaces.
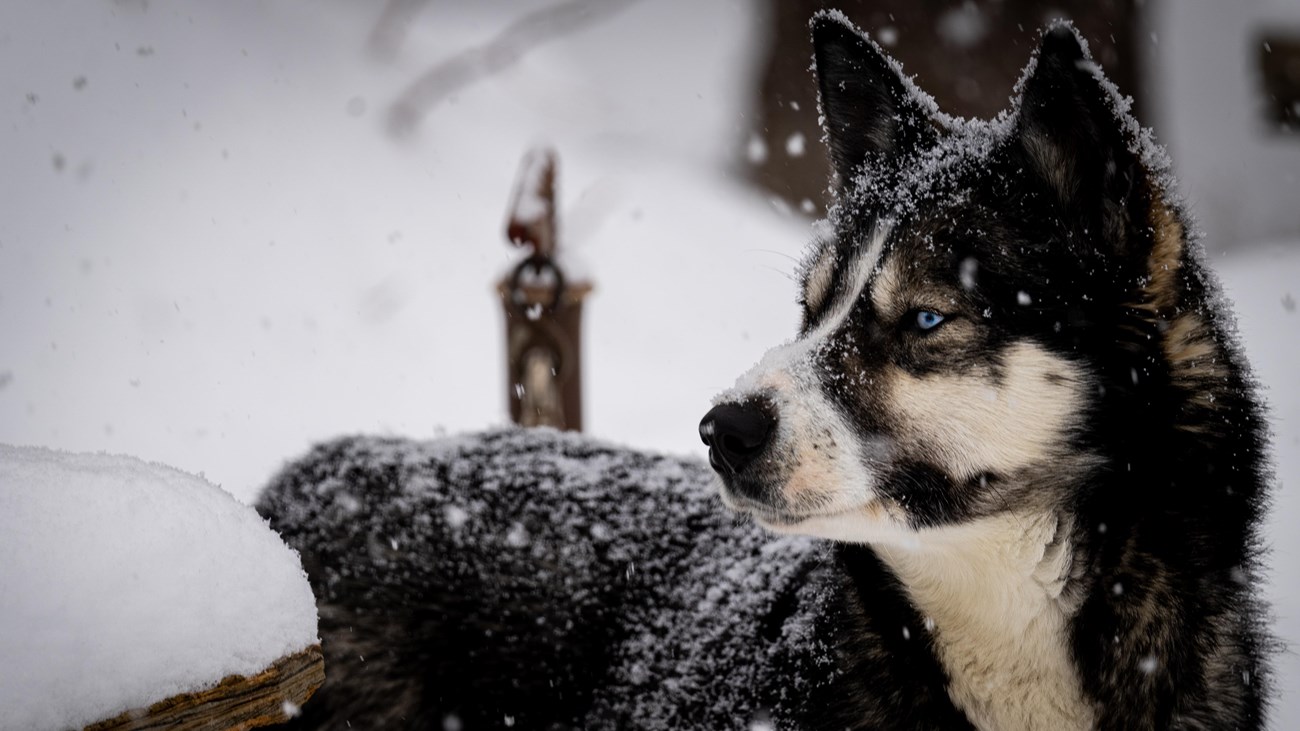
{"x":237,"y":702}
{"x":133,"y":595}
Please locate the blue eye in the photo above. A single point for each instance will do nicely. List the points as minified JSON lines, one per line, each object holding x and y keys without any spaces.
{"x":928,"y":319}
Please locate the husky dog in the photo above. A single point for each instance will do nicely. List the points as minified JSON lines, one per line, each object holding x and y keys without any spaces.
{"x":1015,"y":398}
{"x":1014,"y":406}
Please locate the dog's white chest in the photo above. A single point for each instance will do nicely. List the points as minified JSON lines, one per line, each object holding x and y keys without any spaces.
{"x":992,"y":595}
{"x":1028,"y":683}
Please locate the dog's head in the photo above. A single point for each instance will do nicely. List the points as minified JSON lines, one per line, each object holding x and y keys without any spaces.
{"x":964,"y":310}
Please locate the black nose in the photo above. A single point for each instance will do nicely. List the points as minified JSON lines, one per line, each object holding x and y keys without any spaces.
{"x":736,"y":434}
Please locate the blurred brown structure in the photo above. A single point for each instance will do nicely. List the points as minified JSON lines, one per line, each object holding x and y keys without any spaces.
{"x":967,"y":54}
{"x":543,"y":308}
{"x":1279,"y":70}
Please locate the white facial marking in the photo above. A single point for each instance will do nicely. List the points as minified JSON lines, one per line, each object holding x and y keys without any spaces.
{"x":859,"y":274}
{"x":824,"y":459}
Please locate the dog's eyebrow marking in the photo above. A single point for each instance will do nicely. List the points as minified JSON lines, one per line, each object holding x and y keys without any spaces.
{"x":886,"y":288}
{"x":859,"y":273}
{"x":821,"y":275}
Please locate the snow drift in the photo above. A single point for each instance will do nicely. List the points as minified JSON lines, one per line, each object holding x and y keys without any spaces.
{"x":124,"y":583}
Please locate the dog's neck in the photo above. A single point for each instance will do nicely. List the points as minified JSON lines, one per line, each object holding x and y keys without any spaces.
{"x":991,"y":575}
{"x":997,"y":595}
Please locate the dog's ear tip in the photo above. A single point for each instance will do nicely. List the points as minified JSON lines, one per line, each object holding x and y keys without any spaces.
{"x":1061,"y":40}
{"x":832,"y":27}
{"x":824,"y":22}
{"x":1072,"y":124}
{"x":868,"y":107}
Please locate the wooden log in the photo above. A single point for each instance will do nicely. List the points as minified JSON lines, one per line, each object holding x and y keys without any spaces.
{"x":236,"y":703}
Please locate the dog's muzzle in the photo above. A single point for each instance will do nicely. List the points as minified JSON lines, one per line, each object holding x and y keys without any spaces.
{"x":736,"y":433}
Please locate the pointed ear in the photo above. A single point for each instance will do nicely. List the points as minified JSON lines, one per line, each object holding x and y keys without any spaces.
{"x":1071,"y":131}
{"x":867,"y":112}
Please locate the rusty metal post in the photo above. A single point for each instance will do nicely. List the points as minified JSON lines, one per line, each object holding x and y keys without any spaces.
{"x":543,"y":308}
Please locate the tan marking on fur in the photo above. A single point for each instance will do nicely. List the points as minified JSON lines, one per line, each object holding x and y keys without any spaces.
{"x":995,"y":591}
{"x":1193,"y":355}
{"x":1166,"y":258}
{"x":818,"y":285}
{"x":1189,"y":349}
{"x":875,"y":511}
{"x":974,"y":424}
{"x":885,"y":289}
{"x":1186,"y":344}
{"x":811,"y":481}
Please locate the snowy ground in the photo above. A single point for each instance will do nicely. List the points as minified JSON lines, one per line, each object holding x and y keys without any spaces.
{"x":214,"y":253}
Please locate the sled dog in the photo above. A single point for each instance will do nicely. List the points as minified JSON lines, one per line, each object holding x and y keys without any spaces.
{"x":1007,"y":475}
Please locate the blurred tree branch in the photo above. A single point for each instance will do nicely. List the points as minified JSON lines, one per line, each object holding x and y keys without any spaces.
{"x":390,"y":31}
{"x":474,"y":64}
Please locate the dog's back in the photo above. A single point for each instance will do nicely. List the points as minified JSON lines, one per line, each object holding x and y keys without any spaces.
{"x":542,"y":580}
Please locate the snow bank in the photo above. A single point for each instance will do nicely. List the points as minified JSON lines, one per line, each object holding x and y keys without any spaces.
{"x":123,"y":583}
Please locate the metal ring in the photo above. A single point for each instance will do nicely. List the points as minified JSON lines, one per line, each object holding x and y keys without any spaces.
{"x":538,"y":264}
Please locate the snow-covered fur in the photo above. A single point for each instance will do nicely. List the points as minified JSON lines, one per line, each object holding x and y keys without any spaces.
{"x":540,"y":580}
{"x":1015,"y":407}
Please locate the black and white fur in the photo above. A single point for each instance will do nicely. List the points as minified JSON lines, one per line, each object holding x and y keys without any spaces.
{"x":1015,"y":393}
{"x":1014,"y":406}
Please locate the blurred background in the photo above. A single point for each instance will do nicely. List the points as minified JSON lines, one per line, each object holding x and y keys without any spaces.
{"x":232,"y":229}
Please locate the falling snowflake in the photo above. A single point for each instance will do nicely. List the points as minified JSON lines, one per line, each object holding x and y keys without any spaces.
{"x":794,"y":145}
{"x":969,"y":273}
{"x":455,"y":516}
{"x":517,"y":537}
